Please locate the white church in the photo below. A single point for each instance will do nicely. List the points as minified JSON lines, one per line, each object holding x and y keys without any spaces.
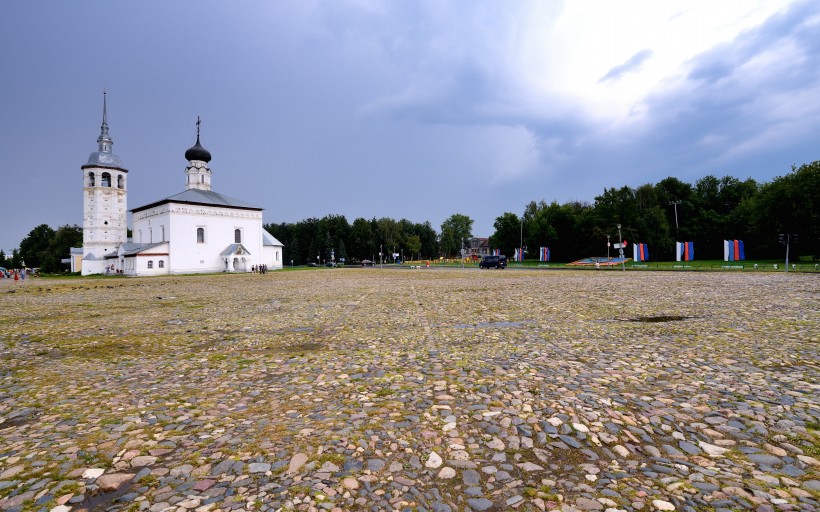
{"x":195,"y":231}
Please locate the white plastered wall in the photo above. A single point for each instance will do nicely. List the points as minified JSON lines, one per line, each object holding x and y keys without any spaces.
{"x":181,"y":222}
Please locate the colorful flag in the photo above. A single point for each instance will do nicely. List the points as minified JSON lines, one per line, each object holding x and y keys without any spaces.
{"x":640,"y":252}
{"x":544,"y":254}
{"x":684,"y":251}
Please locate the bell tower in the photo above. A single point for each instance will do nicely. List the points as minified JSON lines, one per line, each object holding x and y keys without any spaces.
{"x":105,"y":222}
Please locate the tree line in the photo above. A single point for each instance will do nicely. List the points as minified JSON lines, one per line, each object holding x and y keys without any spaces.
{"x":332,"y":238}
{"x":44,"y":248}
{"x":707,"y":212}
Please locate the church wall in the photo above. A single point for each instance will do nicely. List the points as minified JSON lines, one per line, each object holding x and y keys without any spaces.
{"x":273,"y":257}
{"x":181,"y":221}
{"x":152,"y":264}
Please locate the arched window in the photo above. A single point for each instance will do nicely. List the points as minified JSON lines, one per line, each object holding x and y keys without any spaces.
{"x":200,"y":235}
{"x":150,"y":263}
{"x":105,"y":181}
{"x":120,"y":181}
{"x":91,"y":179}
{"x":277,"y":255}
{"x":163,"y":233}
{"x":237,"y":236}
{"x":161,"y":264}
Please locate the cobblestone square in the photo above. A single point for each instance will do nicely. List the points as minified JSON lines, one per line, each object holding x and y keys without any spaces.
{"x":417,"y":390}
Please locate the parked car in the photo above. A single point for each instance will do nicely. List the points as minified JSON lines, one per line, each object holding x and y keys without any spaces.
{"x":493,"y":262}
{"x":312,"y":264}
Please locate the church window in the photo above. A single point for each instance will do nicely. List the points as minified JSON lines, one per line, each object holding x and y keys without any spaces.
{"x":91,"y":179}
{"x":277,"y":255}
{"x":201,"y":179}
{"x":150,"y":235}
{"x":150,"y":263}
{"x":200,"y":235}
{"x":120,"y":182}
{"x":161,"y":263}
{"x":105,"y":181}
{"x":237,"y":236}
{"x":163,"y":233}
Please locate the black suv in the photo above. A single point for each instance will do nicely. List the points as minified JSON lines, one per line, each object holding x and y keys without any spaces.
{"x":493,"y":261}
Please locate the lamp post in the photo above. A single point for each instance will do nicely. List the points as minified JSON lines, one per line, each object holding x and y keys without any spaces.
{"x":521,"y":241}
{"x":675,"y":204}
{"x":621,"y":249}
{"x":607,"y":246}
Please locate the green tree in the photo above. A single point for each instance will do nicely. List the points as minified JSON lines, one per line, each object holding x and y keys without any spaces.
{"x":454,"y":230}
{"x":16,"y":259}
{"x":60,"y":246}
{"x":388,"y":233}
{"x":341,"y":251}
{"x":429,"y":239}
{"x":361,"y":239}
{"x":507,"y":233}
{"x":677,"y":200}
{"x":790,"y":204}
{"x":4,"y":262}
{"x":34,"y":247}
{"x":413,"y":246}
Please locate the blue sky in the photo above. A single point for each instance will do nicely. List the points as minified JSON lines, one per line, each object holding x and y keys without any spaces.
{"x":405,"y":109}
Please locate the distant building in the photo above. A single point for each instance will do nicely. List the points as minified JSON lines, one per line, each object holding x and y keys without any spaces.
{"x":195,"y":231}
{"x":479,"y":247}
{"x":75,"y":259}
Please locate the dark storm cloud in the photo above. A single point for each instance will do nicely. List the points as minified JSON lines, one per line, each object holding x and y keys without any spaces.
{"x":797,"y":25}
{"x":741,"y":99}
{"x":632,"y":64}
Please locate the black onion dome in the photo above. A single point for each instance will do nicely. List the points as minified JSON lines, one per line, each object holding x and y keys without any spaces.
{"x":197,"y":152}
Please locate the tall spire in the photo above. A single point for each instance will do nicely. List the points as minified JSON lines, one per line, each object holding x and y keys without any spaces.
{"x":104,"y":140}
{"x":103,"y":156}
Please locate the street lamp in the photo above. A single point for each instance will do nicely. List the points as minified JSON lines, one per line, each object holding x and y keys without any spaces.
{"x":621,"y":249}
{"x":607,"y":246}
{"x":675,"y":204}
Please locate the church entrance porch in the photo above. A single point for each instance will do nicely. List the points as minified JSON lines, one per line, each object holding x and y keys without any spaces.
{"x":236,"y":258}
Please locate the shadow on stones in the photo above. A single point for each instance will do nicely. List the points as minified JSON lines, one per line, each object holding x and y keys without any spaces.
{"x":20,"y":418}
{"x":104,"y":500}
{"x":657,"y":319}
{"x":483,"y":325}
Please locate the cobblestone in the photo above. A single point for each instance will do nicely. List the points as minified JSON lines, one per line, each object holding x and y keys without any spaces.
{"x":411,"y":390}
